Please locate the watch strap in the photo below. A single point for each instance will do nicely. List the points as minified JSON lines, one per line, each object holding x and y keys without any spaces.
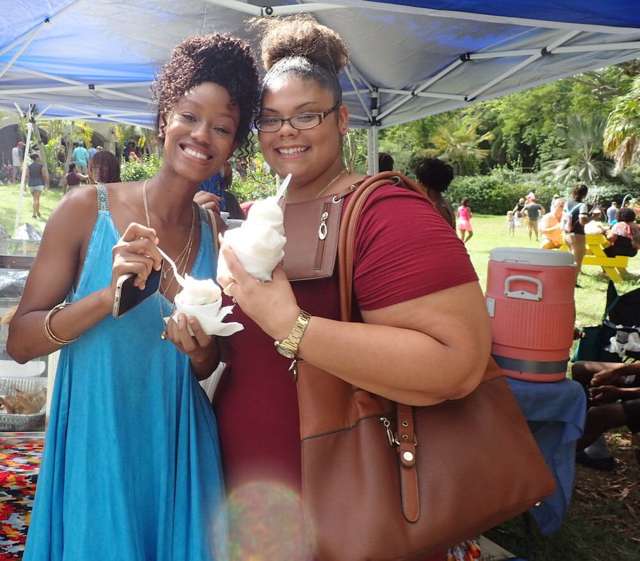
{"x":292,"y":342}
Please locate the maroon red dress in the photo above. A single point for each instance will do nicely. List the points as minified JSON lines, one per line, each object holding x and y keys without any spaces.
{"x":404,"y":249}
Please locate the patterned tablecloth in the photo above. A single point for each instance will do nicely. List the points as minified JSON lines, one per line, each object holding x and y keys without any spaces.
{"x":19,"y":465}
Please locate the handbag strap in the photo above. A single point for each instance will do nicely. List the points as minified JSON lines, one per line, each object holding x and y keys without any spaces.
{"x":349,"y":226}
{"x":406,"y":438}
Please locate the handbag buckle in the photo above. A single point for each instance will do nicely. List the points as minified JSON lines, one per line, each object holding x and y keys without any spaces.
{"x":393,"y":436}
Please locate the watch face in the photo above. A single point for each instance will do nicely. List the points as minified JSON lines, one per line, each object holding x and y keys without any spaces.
{"x":285,"y":352}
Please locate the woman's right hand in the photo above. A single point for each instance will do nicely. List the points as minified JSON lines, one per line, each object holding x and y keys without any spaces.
{"x":135,"y":253}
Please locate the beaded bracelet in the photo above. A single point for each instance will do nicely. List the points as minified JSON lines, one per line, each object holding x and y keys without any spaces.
{"x":47,"y":327}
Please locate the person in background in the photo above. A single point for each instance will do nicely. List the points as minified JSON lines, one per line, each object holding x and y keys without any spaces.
{"x":385,"y":162}
{"x":16,"y":160}
{"x":99,"y":148}
{"x":92,"y":152}
{"x":595,"y":225}
{"x":81,"y":157}
{"x":73,"y":178}
{"x":612,"y":213}
{"x":214,"y":194}
{"x":624,"y":235}
{"x":575,"y":217}
{"x":38,"y":180}
{"x":464,"y":220}
{"x":104,"y":168}
{"x":517,"y":212}
{"x":551,"y":226}
{"x":6,"y":172}
{"x":130,"y":153}
{"x":532,"y":212}
{"x":510,"y":225}
{"x":436,"y":176}
{"x":613,"y":400}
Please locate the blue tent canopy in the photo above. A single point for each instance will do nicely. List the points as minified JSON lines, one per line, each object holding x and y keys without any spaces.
{"x":621,"y":14}
{"x":95,"y":59}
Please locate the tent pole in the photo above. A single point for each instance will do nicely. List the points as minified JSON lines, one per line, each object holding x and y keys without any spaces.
{"x":21,"y":50}
{"x":23,"y":175}
{"x":372,"y":150}
{"x":522,"y":65}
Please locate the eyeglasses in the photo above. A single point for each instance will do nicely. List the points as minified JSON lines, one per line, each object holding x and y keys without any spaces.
{"x":300,"y":122}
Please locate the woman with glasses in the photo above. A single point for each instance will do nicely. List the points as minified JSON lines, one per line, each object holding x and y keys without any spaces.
{"x":423,"y":336}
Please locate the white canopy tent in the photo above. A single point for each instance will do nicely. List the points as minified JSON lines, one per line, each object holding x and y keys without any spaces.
{"x":95,"y":59}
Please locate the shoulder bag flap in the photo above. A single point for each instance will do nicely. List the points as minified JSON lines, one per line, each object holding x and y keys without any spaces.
{"x":315,"y":226}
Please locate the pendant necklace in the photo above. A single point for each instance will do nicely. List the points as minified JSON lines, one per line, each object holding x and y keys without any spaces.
{"x":331,"y":182}
{"x":181,"y":261}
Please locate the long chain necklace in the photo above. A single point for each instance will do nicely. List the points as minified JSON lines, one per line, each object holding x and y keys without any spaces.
{"x":331,"y":182}
{"x":181,"y":261}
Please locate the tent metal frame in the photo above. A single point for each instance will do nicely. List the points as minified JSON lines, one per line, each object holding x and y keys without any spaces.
{"x":368,"y":95}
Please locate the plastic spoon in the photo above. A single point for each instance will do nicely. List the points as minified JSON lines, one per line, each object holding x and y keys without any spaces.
{"x":177,"y":275}
{"x":283,"y":187}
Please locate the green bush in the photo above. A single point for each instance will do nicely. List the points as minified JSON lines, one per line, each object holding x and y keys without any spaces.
{"x":138,"y":171}
{"x":257,"y":185}
{"x":500,"y":190}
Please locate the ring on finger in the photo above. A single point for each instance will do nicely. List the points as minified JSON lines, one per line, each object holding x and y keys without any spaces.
{"x":227,"y":289}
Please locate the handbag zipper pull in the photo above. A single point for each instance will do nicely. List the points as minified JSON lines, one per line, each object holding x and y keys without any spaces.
{"x":323,"y":230}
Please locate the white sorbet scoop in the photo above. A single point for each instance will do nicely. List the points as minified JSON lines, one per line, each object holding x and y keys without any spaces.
{"x":258,"y":243}
{"x":202,"y":299}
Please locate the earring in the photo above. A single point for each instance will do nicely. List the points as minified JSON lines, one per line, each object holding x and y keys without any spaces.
{"x":349,"y":161}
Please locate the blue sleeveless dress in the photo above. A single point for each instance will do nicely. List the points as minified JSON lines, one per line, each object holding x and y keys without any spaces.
{"x":131,"y":468}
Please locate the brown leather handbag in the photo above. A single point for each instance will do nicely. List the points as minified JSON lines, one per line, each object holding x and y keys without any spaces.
{"x":386,"y":481}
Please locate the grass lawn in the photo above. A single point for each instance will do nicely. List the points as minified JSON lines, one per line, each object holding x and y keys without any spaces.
{"x":603,"y":522}
{"x":9,"y":205}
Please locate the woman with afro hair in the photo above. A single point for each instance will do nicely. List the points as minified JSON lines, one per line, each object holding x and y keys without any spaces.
{"x":131,"y":467}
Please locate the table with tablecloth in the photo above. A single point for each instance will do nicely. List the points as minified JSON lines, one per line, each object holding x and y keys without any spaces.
{"x":556,"y":414}
{"x":19,"y":465}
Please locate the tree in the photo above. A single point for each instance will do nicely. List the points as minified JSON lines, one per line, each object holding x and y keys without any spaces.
{"x":141,"y":135}
{"x":582,"y":157}
{"x":458,"y":143}
{"x":622,"y":133}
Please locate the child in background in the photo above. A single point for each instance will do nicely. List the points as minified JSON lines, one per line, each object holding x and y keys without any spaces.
{"x":464,"y":220}
{"x":511,"y":223}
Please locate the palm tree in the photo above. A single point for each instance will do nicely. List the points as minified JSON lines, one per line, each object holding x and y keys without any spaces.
{"x":582,"y":158}
{"x":622,"y":133}
{"x":458,"y":143}
{"x":142,"y":135}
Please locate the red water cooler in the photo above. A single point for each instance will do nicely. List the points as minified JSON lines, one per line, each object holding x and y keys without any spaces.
{"x":532,"y":309}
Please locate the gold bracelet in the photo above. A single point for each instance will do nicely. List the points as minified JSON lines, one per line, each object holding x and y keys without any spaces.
{"x":47,"y":327}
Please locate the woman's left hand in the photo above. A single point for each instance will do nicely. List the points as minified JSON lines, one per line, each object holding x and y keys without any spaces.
{"x":272,"y":305}
{"x":198,"y":347}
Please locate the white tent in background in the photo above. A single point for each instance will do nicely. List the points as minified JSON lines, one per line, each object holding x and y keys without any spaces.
{"x":95,"y":59}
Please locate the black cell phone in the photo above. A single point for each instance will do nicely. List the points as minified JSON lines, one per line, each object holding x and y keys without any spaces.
{"x":129,"y":296}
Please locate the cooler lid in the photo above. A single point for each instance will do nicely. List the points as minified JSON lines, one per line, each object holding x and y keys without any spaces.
{"x":527,"y":256}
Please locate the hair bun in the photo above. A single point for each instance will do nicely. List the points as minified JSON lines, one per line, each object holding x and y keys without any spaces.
{"x":301,"y":35}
